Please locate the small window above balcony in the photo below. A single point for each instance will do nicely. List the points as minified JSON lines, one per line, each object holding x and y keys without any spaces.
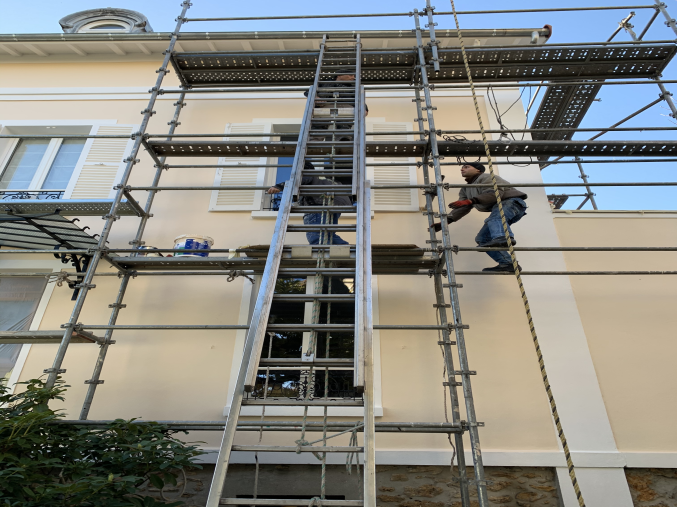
{"x":109,"y":20}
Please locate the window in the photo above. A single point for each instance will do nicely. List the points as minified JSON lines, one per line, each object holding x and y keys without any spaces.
{"x":42,"y":164}
{"x":19,"y":299}
{"x":108,"y":25}
{"x":296,"y":382}
{"x":62,"y":167}
{"x":279,"y":174}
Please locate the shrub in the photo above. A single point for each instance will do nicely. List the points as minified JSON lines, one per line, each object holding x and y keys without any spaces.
{"x":46,"y":462}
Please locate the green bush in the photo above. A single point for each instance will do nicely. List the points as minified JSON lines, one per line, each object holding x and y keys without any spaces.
{"x":47,"y":463}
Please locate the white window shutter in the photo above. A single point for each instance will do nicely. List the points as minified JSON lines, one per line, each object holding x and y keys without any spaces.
{"x":405,"y":199}
{"x":101,"y":165}
{"x":252,"y":173}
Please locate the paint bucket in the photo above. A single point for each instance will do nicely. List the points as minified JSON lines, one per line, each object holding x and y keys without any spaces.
{"x":193,"y":242}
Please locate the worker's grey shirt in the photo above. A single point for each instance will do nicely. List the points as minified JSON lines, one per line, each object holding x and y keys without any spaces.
{"x":483,"y":198}
{"x":486,"y":202}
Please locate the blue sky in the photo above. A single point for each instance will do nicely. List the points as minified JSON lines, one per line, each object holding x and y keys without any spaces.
{"x":41,"y":16}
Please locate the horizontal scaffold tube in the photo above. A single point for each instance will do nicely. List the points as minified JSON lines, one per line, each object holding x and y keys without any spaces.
{"x":332,"y":426}
{"x":441,"y":13}
{"x":446,"y":186}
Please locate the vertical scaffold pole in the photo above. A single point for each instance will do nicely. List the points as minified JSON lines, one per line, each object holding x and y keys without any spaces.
{"x":442,"y":311}
{"x":665,"y":94}
{"x":451,"y":278}
{"x":86,"y":284}
{"x":118,"y":305}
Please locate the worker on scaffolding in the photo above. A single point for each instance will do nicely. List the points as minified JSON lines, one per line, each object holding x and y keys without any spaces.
{"x":319,"y":237}
{"x":484,"y":199}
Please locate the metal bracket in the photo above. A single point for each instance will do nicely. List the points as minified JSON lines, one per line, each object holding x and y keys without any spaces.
{"x":130,"y":159}
{"x":447,"y":305}
{"x":457,"y":384}
{"x":85,"y":286}
{"x":52,"y":370}
{"x":148,"y":111}
{"x":449,"y":285}
{"x":446,"y":343}
{"x":462,"y":326}
{"x":94,"y":382}
{"x":117,"y":305}
{"x":461,"y":372}
{"x":109,"y":216}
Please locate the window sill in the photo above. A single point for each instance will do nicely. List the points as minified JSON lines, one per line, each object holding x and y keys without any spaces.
{"x":312,"y":411}
{"x":272,"y":215}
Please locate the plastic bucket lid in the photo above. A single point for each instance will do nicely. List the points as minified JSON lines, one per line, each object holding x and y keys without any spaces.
{"x":198,"y":237}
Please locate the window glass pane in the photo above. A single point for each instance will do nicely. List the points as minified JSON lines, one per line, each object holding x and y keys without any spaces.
{"x":282,"y":173}
{"x":64,"y":163}
{"x":19,"y":299}
{"x":24,"y":164}
{"x":107,"y":27}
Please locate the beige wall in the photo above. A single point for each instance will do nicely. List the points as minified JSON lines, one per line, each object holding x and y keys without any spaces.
{"x":630,"y":321}
{"x":184,"y":375}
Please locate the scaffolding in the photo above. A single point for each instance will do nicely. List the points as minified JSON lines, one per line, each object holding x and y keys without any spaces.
{"x":333,"y":137}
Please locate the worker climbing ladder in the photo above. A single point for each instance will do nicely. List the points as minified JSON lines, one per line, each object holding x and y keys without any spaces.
{"x":332,"y":140}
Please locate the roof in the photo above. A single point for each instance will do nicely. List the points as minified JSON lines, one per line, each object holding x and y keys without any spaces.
{"x":151,"y":45}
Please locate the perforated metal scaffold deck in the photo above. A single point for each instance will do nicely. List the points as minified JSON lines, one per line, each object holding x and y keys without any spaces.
{"x":399,"y":66}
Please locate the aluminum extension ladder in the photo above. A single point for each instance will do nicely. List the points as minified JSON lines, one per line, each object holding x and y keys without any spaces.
{"x":332,"y":136}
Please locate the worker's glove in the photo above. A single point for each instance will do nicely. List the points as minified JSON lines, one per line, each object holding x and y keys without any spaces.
{"x":460,"y":204}
{"x":437,"y":227}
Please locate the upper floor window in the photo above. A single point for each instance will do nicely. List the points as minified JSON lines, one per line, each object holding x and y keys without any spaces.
{"x":62,"y":167}
{"x":108,"y":26}
{"x":110,"y":19}
{"x":42,"y":164}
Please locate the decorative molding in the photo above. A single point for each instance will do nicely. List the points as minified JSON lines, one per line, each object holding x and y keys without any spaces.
{"x":131,"y":21}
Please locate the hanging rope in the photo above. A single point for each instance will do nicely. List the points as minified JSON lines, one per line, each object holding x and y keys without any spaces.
{"x":59,"y":277}
{"x":546,"y":383}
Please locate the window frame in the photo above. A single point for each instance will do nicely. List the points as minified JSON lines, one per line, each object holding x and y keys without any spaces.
{"x":22,"y":266}
{"x":39,"y":127}
{"x":43,"y":167}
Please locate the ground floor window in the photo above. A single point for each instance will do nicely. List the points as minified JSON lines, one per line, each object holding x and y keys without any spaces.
{"x":19,"y":299}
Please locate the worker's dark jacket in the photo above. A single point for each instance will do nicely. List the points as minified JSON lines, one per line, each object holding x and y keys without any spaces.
{"x":483,"y":198}
{"x":316,"y":200}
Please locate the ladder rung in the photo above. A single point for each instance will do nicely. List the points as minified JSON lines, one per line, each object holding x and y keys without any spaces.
{"x":284,"y":448}
{"x":271,"y":502}
{"x":314,"y":271}
{"x":320,"y":227}
{"x":304,"y":403}
{"x":333,"y":298}
{"x":295,"y":361}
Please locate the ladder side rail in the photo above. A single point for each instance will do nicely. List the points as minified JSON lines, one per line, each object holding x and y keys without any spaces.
{"x":264,"y":300}
{"x":361,"y":254}
{"x":257,"y":328}
{"x":369,"y":435}
{"x":305,"y":127}
{"x":480,"y":481}
{"x":440,"y":301}
{"x":357,"y":113}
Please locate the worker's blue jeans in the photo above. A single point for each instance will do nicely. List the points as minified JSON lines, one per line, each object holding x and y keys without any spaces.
{"x":514,"y":209}
{"x":319,"y":218}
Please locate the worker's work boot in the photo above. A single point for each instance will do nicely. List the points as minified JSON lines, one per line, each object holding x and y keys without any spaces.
{"x":503,"y":268}
{"x":499,"y":242}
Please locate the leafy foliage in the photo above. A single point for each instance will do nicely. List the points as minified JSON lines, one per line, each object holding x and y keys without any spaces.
{"x":47,"y":462}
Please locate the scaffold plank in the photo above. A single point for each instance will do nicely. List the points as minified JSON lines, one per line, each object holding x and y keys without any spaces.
{"x":398,"y":66}
{"x":510,"y":148}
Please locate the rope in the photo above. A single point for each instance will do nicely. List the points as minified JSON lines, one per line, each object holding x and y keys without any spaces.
{"x":234,"y":273}
{"x":541,"y":362}
{"x":59,"y":278}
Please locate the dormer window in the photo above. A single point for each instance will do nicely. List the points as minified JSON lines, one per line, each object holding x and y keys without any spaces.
{"x":107,"y":26}
{"x":109,"y":20}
